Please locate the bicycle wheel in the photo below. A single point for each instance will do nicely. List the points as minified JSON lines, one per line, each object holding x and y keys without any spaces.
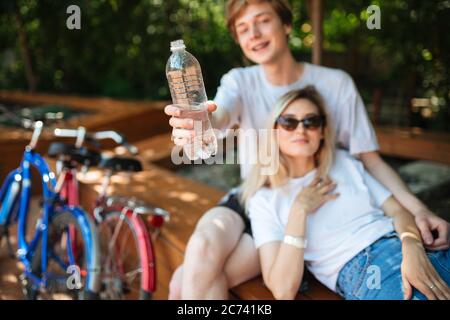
{"x":72,"y":254}
{"x":128,"y":269}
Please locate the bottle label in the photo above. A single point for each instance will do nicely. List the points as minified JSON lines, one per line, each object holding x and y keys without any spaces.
{"x":186,"y":86}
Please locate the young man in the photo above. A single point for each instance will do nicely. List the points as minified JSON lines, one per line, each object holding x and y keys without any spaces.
{"x":220,"y":254}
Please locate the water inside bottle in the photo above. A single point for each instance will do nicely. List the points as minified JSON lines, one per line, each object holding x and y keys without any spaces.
{"x":204,"y":143}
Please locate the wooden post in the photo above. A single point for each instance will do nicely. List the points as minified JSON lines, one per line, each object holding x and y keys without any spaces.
{"x":376,"y":106}
{"x":317,"y":25}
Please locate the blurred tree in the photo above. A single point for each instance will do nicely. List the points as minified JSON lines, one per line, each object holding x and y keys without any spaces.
{"x":123,"y":45}
{"x":121,"y":49}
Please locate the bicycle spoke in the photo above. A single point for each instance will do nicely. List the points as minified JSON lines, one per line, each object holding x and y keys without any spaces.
{"x":57,"y":259}
{"x":132,"y":274}
{"x":70,"y":247}
{"x":122,"y":247}
{"x":121,"y":263}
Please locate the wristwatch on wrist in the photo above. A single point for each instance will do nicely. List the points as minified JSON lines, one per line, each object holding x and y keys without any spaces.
{"x":299,"y":242}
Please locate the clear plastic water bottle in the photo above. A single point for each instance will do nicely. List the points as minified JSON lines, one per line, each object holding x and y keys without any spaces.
{"x":188,"y":92}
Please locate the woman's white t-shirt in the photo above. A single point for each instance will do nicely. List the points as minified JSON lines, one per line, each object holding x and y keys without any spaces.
{"x":247,"y":97}
{"x":339,"y":229}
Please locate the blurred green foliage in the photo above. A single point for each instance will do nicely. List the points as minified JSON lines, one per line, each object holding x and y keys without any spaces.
{"x":123,"y":45}
{"x":121,"y":49}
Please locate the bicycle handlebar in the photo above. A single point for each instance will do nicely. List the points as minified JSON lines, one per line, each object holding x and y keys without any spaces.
{"x":81,"y":134}
{"x":117,"y":137}
{"x":67,"y":133}
{"x":25,"y":123}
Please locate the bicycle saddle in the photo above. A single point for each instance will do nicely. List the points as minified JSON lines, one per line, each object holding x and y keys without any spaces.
{"x":80,"y":155}
{"x":121,"y":164}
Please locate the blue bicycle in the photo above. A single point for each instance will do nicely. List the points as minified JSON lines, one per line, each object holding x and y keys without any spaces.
{"x":60,"y":255}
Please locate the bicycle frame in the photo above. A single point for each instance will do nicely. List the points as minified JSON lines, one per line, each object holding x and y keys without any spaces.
{"x":9,"y":193}
{"x":26,"y":250}
{"x":21,"y":179}
{"x":68,"y":187}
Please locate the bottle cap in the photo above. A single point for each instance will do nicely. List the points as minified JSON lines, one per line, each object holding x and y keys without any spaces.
{"x":177,"y":45}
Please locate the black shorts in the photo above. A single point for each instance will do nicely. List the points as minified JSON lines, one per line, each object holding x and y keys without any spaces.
{"x":231,"y":201}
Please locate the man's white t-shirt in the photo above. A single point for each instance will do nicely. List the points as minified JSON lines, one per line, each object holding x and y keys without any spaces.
{"x":247,"y":96}
{"x":339,"y":229}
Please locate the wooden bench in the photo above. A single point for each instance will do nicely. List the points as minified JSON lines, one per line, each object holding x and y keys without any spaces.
{"x":186,"y":200}
{"x":414,"y":143}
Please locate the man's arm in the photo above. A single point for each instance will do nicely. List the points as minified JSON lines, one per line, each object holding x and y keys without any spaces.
{"x":390,"y":179}
{"x":358,"y":135}
{"x":416,"y":268}
{"x":426,"y":220}
{"x":220,"y":118}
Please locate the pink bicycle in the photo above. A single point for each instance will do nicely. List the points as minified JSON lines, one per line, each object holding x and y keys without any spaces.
{"x":128,"y":268}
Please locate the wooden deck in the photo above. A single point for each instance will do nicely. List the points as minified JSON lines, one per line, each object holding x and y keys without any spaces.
{"x":136,"y":119}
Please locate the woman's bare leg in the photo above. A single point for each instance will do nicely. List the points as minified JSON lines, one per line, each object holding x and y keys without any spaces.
{"x":236,"y":271}
{"x":243,"y":263}
{"x":175,"y":284}
{"x":216,"y":235}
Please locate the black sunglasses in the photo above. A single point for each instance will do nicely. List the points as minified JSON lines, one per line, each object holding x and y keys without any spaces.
{"x":309,"y":123}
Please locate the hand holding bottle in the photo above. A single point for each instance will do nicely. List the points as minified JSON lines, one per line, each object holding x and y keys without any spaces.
{"x":183,"y":128}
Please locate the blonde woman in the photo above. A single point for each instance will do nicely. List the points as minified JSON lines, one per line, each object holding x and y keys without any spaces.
{"x":323,"y":210}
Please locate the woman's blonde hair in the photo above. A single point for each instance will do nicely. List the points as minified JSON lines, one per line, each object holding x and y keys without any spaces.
{"x":235,"y":7}
{"x":323,"y":157}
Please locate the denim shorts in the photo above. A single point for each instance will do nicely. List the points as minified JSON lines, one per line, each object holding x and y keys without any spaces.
{"x":231,"y":201}
{"x":374,"y":273}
